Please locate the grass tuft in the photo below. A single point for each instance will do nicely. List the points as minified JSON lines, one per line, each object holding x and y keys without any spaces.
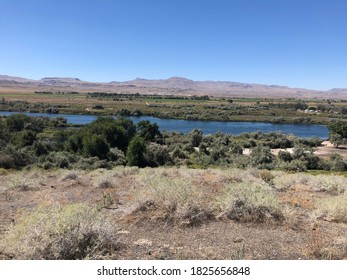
{"x":247,"y":202}
{"x":58,"y":232}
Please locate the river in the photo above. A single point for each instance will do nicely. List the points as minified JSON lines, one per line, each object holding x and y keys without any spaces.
{"x":208,"y":127}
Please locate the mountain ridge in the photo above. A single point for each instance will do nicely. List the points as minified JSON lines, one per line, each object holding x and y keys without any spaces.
{"x":173,"y":85}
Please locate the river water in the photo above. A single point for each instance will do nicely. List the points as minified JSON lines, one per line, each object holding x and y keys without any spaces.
{"x":208,"y":127}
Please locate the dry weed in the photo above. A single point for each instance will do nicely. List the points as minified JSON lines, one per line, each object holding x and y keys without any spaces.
{"x":328,"y":183}
{"x":249,"y":202}
{"x":317,"y":247}
{"x":76,"y":231}
{"x":171,"y":200}
{"x":333,"y":209}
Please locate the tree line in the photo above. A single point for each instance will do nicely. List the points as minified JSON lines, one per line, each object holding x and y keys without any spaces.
{"x":50,"y":143}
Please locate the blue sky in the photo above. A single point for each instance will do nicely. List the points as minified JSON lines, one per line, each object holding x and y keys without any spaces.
{"x":298,"y":43}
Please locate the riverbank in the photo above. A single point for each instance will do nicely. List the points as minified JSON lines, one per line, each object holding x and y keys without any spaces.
{"x":207,"y":127}
{"x":325,"y":150}
{"x":289,"y":111}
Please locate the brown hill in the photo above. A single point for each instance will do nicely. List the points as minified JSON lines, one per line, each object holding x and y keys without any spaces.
{"x":173,"y":85}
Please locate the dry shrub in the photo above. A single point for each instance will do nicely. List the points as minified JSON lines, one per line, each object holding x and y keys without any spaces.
{"x":334,"y":209}
{"x":195,"y":216}
{"x":70,"y":176}
{"x":246,"y":175}
{"x":3,"y":171}
{"x":21,"y":184}
{"x":318,"y":246}
{"x":105,"y":184}
{"x":249,"y":202}
{"x":133,"y":170}
{"x":266,"y":176}
{"x":76,"y":231}
{"x":284,"y":181}
{"x":172,"y":201}
{"x":106,"y":181}
{"x":328,"y":183}
{"x":108,"y":200}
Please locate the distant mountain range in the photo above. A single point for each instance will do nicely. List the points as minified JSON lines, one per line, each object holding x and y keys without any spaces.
{"x":174,"y":85}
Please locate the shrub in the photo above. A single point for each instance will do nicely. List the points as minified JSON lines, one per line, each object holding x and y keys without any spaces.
{"x":60,"y":232}
{"x":196,"y":137}
{"x":295,"y":165}
{"x":157,"y":155}
{"x":284,"y":181}
{"x":17,"y":122}
{"x":10,"y":157}
{"x":135,"y":153}
{"x":337,"y":163}
{"x":266,"y":175}
{"x":59,"y":159}
{"x":102,"y":164}
{"x":236,"y":149}
{"x":71,"y":176}
{"x":329,"y":183}
{"x":149,"y":131}
{"x":261,"y":157}
{"x":335,"y":208}
{"x":173,"y":201}
{"x":24,"y":138}
{"x":86,"y":163}
{"x":105,"y":182}
{"x":179,"y":153}
{"x":338,"y":133}
{"x":117,"y":156}
{"x":44,"y":146}
{"x":285,"y":156}
{"x":250,"y":202}
{"x":6,"y":161}
{"x":95,"y":146}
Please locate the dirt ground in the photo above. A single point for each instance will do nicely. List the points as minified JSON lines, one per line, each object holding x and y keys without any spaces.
{"x":328,"y":148}
{"x":300,"y":236}
{"x":324,"y":151}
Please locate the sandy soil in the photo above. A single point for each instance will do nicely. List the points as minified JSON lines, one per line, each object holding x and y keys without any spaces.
{"x":324,"y":151}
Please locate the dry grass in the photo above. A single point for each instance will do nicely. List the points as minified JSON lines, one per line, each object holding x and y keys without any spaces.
{"x":250,"y":202}
{"x":333,"y":208}
{"x":24,"y":180}
{"x":171,"y":201}
{"x":283,"y":181}
{"x":328,"y":183}
{"x":318,"y":246}
{"x":75,"y":231}
{"x":183,"y":213}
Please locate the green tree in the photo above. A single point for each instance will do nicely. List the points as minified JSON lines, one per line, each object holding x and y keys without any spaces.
{"x":24,"y":138}
{"x":17,"y":122}
{"x":136,"y":152}
{"x":262,"y":157}
{"x":338,"y":133}
{"x":4,"y":133}
{"x":114,"y":134}
{"x":96,"y":145}
{"x":128,"y":125}
{"x":285,"y":156}
{"x":149,"y":131}
{"x":196,"y":137}
{"x":157,"y":155}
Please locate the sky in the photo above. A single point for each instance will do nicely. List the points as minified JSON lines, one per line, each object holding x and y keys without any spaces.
{"x":296,"y":43}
